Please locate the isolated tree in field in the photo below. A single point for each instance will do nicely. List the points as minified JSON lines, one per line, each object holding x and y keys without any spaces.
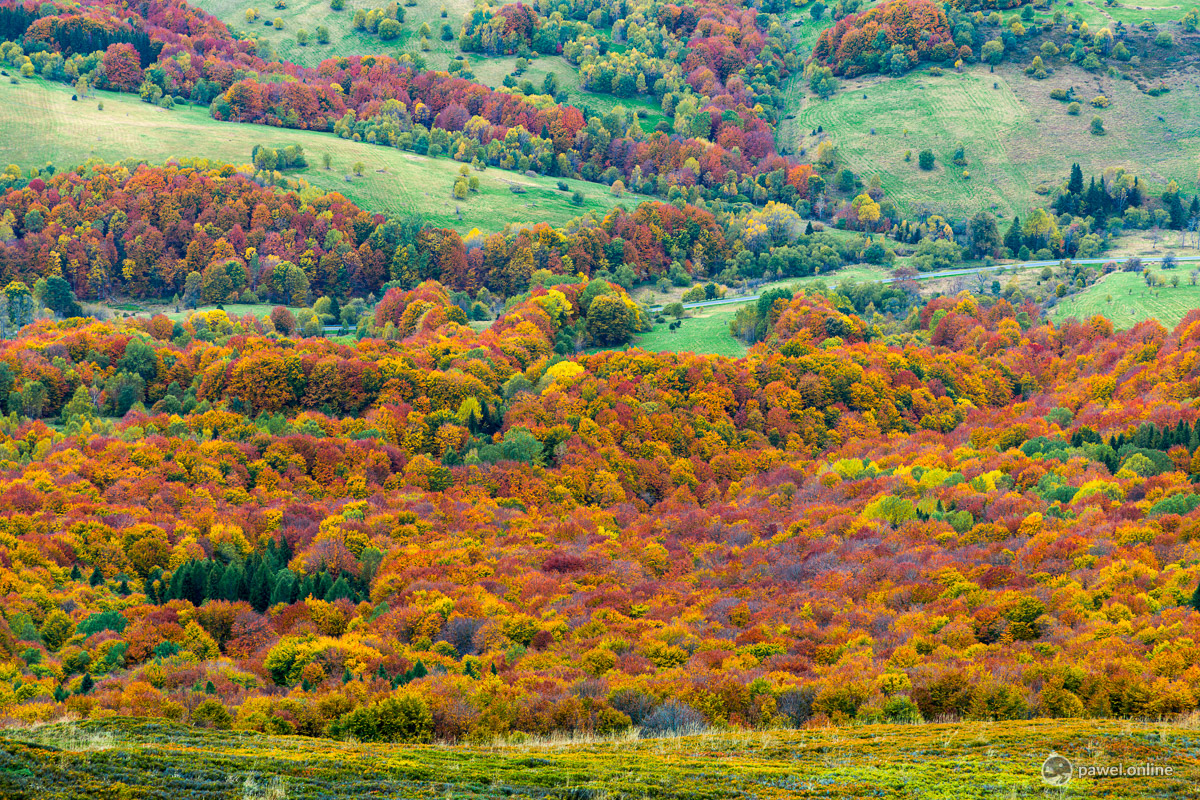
{"x":326,"y":160}
{"x":1097,"y":127}
{"x":390,"y":29}
{"x":302,"y":37}
{"x":358,"y":168}
{"x":337,"y":5}
{"x":925,"y":160}
{"x":992,"y":51}
{"x":122,"y":68}
{"x":322,"y":34}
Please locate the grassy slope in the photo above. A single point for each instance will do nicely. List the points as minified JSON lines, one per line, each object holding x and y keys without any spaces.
{"x":1016,"y":137}
{"x":967,"y":760}
{"x":1124,"y":298}
{"x":68,"y":133}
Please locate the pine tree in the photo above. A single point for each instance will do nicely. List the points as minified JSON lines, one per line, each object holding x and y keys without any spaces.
{"x":96,"y":578}
{"x":212,"y":584}
{"x":1012,"y":239}
{"x":86,"y":684}
{"x":285,"y":550}
{"x":232,"y":580}
{"x":322,"y":585}
{"x":340,"y":590}
{"x":76,"y":575}
{"x":260,"y":589}
{"x":1196,"y":598}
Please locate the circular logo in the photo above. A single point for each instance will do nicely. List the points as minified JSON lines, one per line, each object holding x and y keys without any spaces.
{"x":1056,"y":770}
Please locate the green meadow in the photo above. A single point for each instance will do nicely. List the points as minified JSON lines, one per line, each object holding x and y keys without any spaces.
{"x":393,"y":181}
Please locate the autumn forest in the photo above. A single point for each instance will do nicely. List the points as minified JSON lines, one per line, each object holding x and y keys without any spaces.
{"x":275,"y":462}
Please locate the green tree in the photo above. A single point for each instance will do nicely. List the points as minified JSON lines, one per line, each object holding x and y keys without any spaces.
{"x":992,"y":51}
{"x":80,"y":406}
{"x":59,"y":298}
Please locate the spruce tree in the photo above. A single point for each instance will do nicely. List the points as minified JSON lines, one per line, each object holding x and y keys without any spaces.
{"x":1075,"y":185}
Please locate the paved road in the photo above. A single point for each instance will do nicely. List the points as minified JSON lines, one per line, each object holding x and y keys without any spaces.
{"x":949,"y":273}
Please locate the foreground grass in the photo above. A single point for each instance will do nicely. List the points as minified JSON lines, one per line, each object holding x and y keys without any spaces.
{"x":1016,"y":137}
{"x":39,"y":123}
{"x":154,"y":759}
{"x":1124,"y":298}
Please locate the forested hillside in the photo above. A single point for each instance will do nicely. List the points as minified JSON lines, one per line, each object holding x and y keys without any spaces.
{"x":971,"y":513}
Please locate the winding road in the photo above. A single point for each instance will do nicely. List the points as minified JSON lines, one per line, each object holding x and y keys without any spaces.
{"x":949,"y":273}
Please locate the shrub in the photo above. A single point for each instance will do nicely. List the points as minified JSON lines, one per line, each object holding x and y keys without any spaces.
{"x":211,"y":714}
{"x":925,"y":160}
{"x":797,"y":705}
{"x":403,"y":718}
{"x":673,"y":719}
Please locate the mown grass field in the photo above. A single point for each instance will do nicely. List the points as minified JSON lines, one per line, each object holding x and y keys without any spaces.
{"x":705,"y":331}
{"x":343,"y":39}
{"x":39,"y":123}
{"x":155,"y":759}
{"x":1124,"y":298}
{"x":1016,"y":137}
{"x":1099,"y":14}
